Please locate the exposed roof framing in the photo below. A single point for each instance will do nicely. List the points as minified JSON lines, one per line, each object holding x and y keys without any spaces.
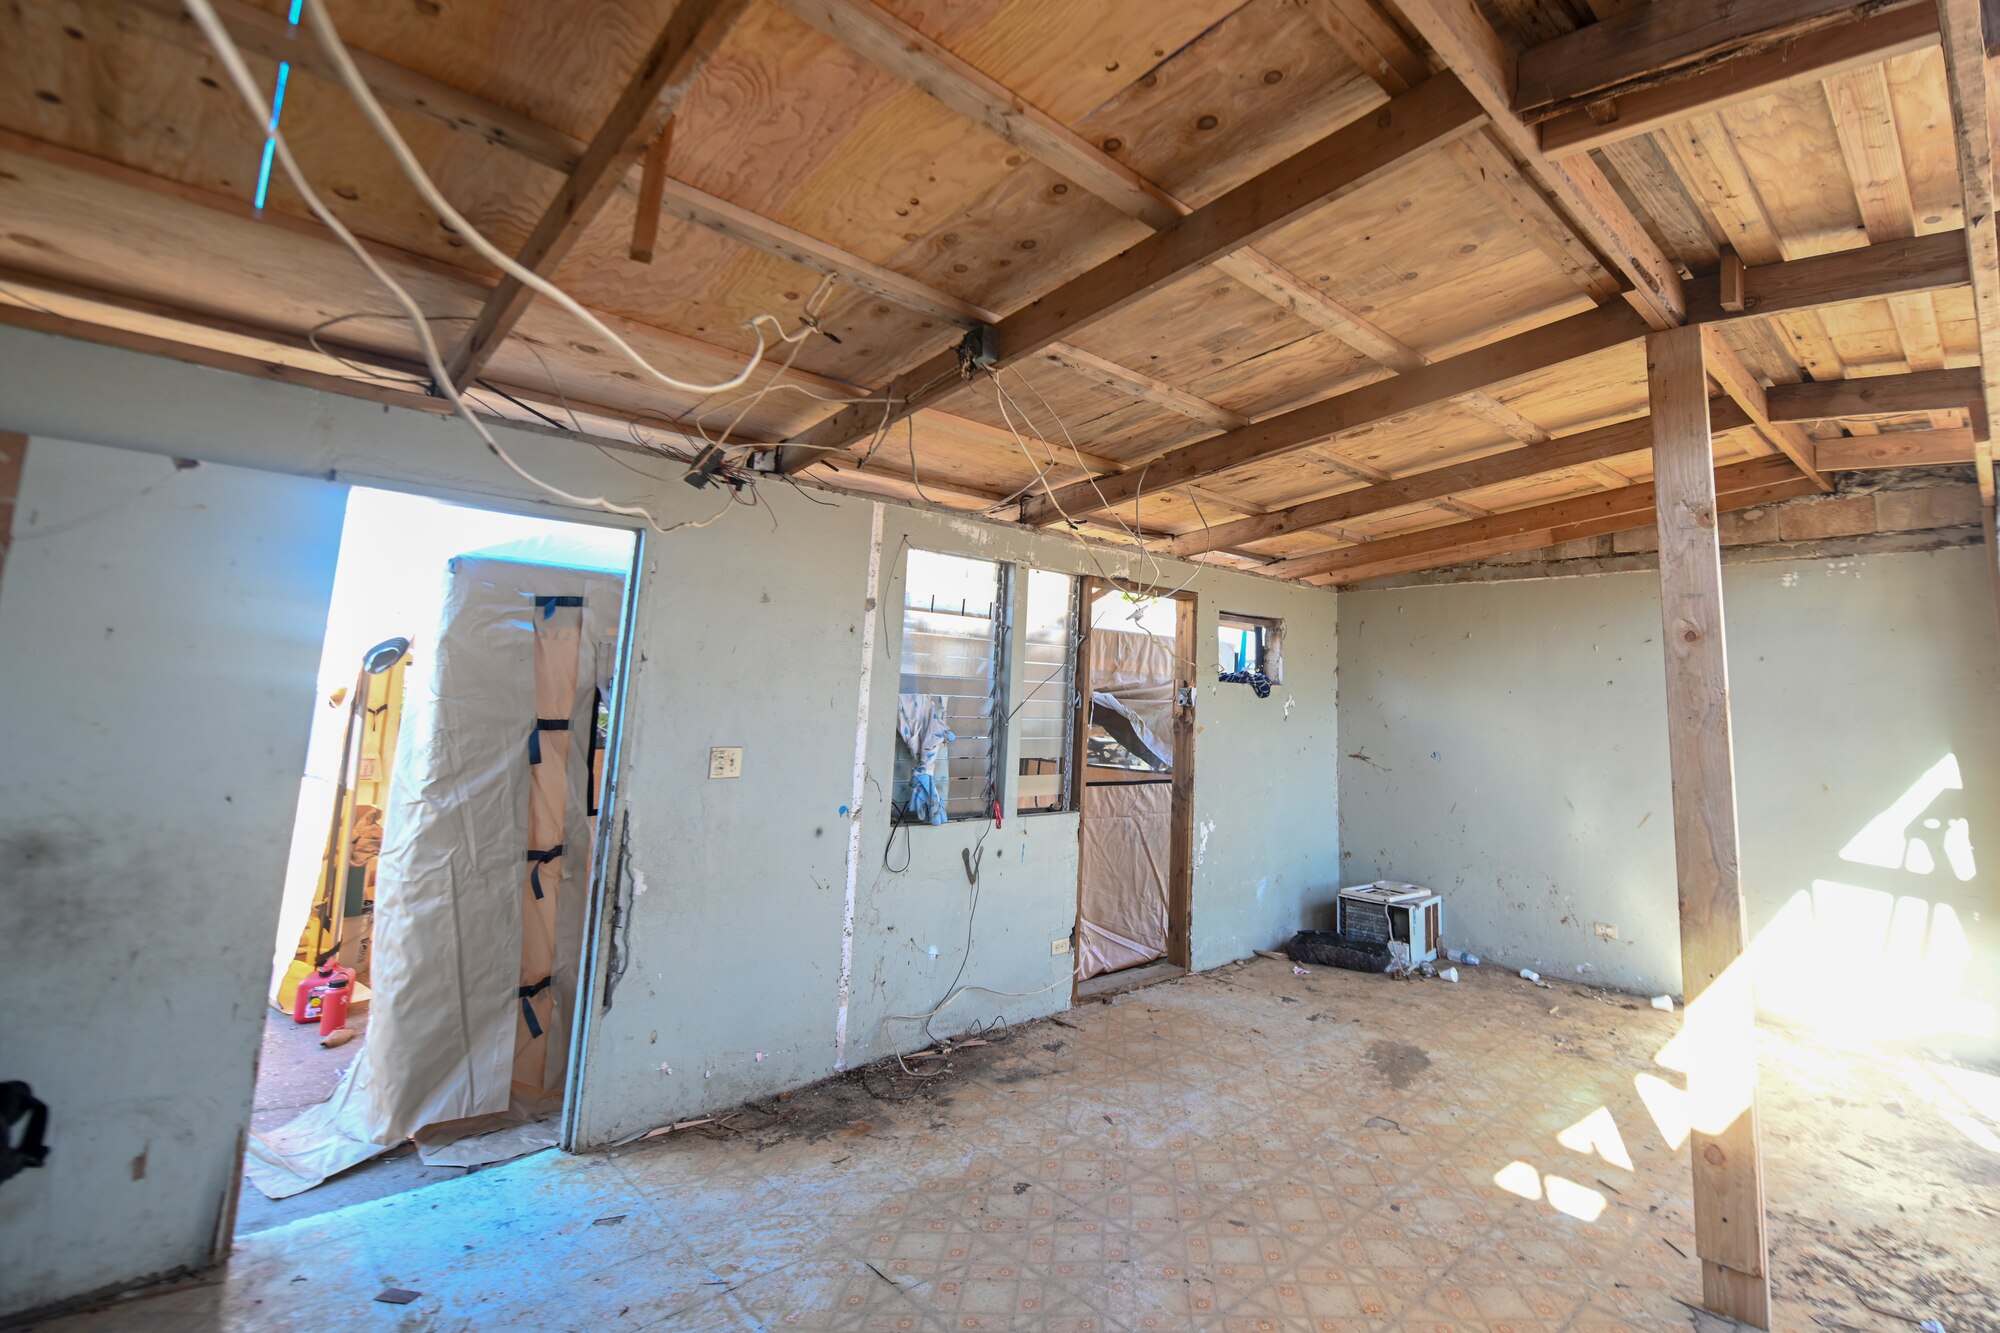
{"x":683,"y":49}
{"x":1268,"y":281}
{"x":1408,"y":127}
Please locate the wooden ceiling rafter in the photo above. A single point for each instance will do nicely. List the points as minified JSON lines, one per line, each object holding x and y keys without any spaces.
{"x":1792,"y":286}
{"x":692,"y":35}
{"x":1537,"y":525}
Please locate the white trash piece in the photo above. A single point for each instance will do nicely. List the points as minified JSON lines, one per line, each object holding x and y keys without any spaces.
{"x":1664,"y":1002}
{"x":1527,"y":975}
{"x":1449,"y":974}
{"x":1461,"y":956}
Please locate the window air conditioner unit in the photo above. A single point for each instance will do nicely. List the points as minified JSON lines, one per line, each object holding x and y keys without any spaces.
{"x":1405,"y":917}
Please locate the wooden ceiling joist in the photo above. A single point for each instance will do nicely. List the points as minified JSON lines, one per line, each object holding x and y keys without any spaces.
{"x":1535,"y":526}
{"x":1878,"y":395}
{"x":1557,"y":455}
{"x":1726,"y":368}
{"x":1646,"y":45}
{"x":669,"y":68}
{"x":1814,"y":55}
{"x":1345,"y":161}
{"x":1920,"y":264}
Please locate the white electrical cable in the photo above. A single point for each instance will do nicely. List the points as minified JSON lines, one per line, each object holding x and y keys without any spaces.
{"x":239,"y":73}
{"x":358,"y":88}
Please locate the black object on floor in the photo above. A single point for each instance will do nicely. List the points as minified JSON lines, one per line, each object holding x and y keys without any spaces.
{"x":1327,"y":949}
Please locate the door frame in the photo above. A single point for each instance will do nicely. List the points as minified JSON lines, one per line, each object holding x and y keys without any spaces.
{"x":1180,"y":818}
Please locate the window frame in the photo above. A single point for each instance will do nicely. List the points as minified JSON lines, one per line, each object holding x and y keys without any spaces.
{"x":1067,"y":786}
{"x":1001,"y":648}
{"x":1270,"y":645}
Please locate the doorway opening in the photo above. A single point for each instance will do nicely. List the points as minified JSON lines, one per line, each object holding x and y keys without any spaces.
{"x":431,"y":945}
{"x":1134,"y":738}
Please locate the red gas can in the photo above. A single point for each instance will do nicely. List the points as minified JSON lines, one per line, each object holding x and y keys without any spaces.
{"x":334,"y":998}
{"x":311,"y":991}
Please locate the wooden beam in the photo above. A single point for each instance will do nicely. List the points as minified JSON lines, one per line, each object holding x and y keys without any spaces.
{"x":1345,"y":161}
{"x":1579,"y":335}
{"x":1761,"y":481}
{"x":1968,"y":74}
{"x":1719,"y":1055}
{"x":13,"y":458}
{"x":1534,"y":521}
{"x":1647,"y":45}
{"x":1815,"y":55}
{"x":668,"y":69}
{"x":1747,"y":392}
{"x":652,"y":184}
{"x":1920,"y":264}
{"x":1471,"y":48}
{"x":1560,"y":454}
{"x":1907,"y":448}
{"x":1877,"y":395}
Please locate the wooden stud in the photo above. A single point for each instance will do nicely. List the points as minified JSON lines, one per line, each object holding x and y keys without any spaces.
{"x":1921,"y":264}
{"x":13,"y":457}
{"x":652,"y":184}
{"x":1332,"y":168}
{"x":1647,"y":45}
{"x":1180,"y":883}
{"x":1815,"y":55}
{"x":1720,"y":1031}
{"x":1732,"y":298}
{"x":683,"y":48}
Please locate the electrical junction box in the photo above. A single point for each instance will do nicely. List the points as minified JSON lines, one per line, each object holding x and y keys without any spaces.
{"x":1405,"y":917}
{"x":725,"y":761}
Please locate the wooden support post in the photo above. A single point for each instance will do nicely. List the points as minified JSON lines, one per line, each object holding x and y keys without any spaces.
{"x":1717,"y":1048}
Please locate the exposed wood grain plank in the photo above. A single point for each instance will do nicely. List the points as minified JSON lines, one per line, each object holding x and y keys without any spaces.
{"x":1968,"y":76}
{"x":1338,"y":165}
{"x":13,"y":457}
{"x":1819,"y":54}
{"x":683,"y":48}
{"x":1877,"y":395}
{"x":1721,"y":1059}
{"x":260,"y":32}
{"x":1157,"y":392}
{"x":1470,"y":47}
{"x":1910,"y":448}
{"x":1649,"y":44}
{"x":893,"y":45}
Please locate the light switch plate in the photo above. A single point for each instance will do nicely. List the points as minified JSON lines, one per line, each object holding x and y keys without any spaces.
{"x":1057,"y":948}
{"x":725,"y":761}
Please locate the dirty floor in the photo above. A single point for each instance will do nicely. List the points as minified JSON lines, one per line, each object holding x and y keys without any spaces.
{"x":294,"y":1072}
{"x":1243,"y":1149}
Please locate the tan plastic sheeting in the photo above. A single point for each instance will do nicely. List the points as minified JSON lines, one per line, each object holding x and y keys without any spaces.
{"x":1126,"y":844}
{"x":458,"y":929}
{"x":1122,"y":887}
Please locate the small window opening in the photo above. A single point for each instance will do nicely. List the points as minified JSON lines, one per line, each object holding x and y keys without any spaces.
{"x":1247,"y":651}
{"x":1042,"y":725}
{"x":949,"y":713}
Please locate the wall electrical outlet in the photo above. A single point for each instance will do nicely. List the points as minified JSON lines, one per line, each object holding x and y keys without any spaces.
{"x":725,"y":761}
{"x":1057,"y":948}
